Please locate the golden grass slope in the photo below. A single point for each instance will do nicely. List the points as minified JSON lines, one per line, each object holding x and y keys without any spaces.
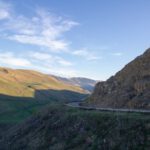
{"x":26,"y":82}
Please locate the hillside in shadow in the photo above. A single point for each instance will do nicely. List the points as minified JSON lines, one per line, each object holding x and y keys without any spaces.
{"x":59,"y":95}
{"x":14,"y":109}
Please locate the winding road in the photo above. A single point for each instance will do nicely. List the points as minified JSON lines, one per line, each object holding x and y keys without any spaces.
{"x":77,"y":105}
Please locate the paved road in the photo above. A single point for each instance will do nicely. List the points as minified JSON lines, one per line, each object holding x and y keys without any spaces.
{"x":77,"y":105}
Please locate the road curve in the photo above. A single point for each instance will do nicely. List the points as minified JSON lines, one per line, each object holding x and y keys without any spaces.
{"x":77,"y":105}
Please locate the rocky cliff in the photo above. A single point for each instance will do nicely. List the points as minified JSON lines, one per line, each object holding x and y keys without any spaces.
{"x":129,"y":88}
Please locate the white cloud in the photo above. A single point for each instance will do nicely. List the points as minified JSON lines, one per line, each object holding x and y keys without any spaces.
{"x":3,"y":14}
{"x":86,"y":54}
{"x":40,"y":41}
{"x":117,"y":54}
{"x":10,"y":59}
{"x":60,"y":71}
{"x":49,"y":59}
{"x":40,"y":56}
{"x":66,"y":72}
{"x":43,"y":62}
{"x":4,"y":10}
{"x":44,"y":29}
{"x":63,"y":62}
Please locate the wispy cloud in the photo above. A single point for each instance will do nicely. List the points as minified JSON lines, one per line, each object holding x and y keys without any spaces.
{"x":117,"y":54}
{"x":49,"y":59}
{"x":40,"y":56}
{"x":5,"y":10}
{"x":8,"y":58}
{"x":42,"y":29}
{"x":3,"y":14}
{"x":63,"y":62}
{"x":39,"y":61}
{"x":88,"y":55}
{"x":52,"y":64}
{"x":56,"y":70}
{"x":46,"y":32}
{"x":66,"y":72}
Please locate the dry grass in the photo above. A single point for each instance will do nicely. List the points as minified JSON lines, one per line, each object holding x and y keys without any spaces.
{"x":25,"y":82}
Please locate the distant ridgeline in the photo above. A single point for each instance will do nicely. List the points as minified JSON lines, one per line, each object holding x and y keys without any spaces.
{"x":84,"y":83}
{"x":129,"y":88}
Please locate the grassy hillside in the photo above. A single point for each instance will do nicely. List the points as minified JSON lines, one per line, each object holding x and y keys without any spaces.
{"x":24,"y":92}
{"x":61,"y":128}
{"x":24,"y":83}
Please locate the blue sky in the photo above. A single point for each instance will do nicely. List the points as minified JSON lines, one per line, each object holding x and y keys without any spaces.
{"x":85,"y":38}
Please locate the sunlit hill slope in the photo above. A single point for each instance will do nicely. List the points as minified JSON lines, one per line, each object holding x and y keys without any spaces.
{"x":25,"y":83}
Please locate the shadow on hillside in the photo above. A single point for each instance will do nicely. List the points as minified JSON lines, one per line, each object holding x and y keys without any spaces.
{"x":14,"y":109}
{"x":9,"y":97}
{"x":46,"y":95}
{"x":59,"y":95}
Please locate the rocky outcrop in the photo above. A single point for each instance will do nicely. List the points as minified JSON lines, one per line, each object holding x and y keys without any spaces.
{"x":129,"y":88}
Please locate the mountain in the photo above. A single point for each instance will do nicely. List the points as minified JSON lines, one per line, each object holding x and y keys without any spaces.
{"x":85,"y":83}
{"x":129,"y":88}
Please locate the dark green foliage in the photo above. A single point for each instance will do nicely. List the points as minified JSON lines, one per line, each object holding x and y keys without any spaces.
{"x":16,"y":109}
{"x":58,"y":127}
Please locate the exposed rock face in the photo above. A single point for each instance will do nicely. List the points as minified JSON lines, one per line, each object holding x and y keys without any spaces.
{"x":129,"y":88}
